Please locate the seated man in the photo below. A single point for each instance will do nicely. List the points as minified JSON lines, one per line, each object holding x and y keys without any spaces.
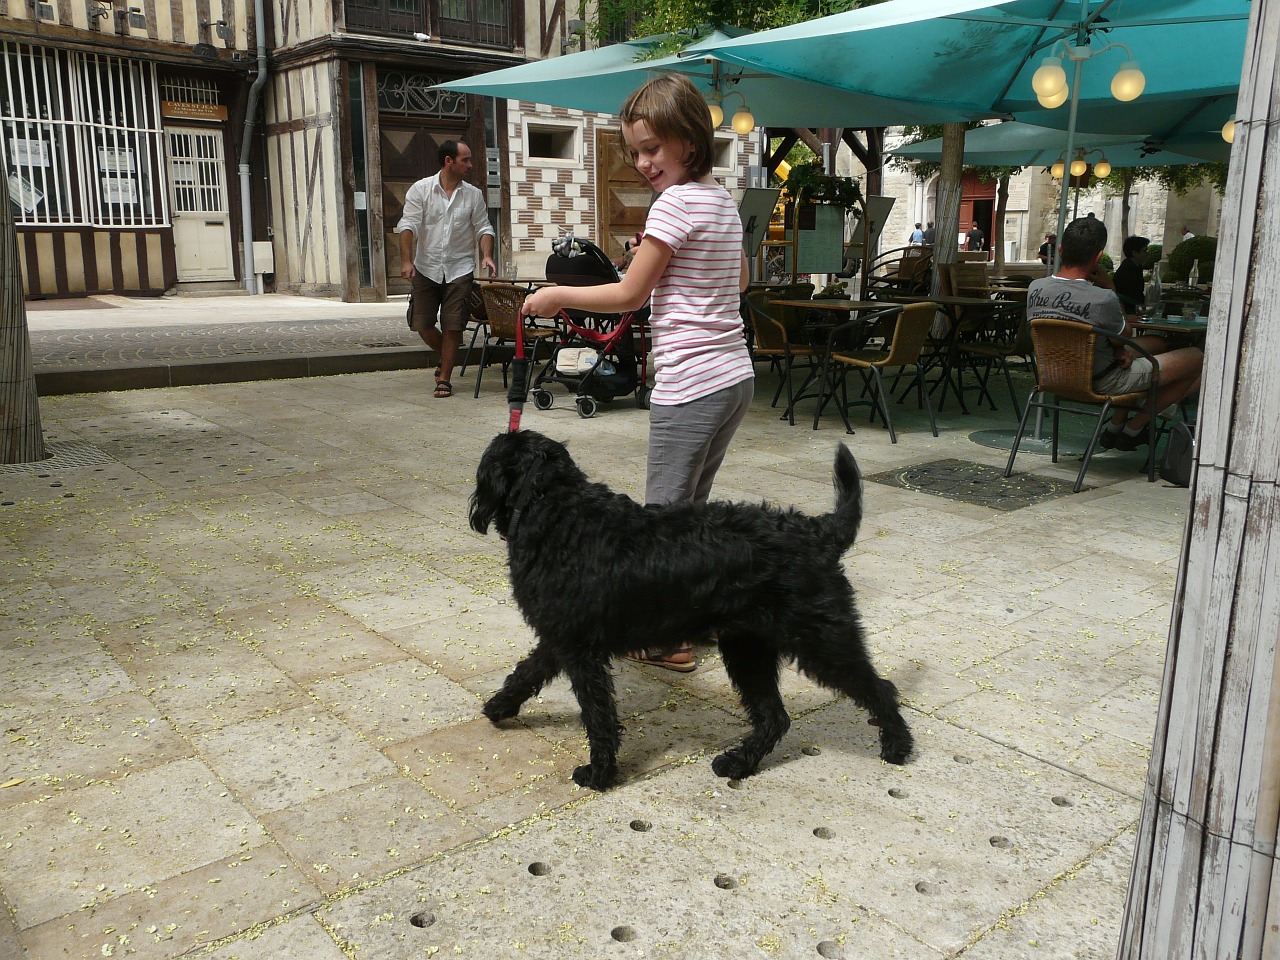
{"x":1128,"y":276}
{"x":1069,"y":295}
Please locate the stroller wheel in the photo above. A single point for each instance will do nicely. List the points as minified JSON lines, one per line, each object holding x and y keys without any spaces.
{"x":642,"y":397}
{"x":586,"y":407}
{"x":543,"y":399}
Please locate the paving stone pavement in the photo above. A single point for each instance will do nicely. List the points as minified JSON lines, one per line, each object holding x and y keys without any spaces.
{"x":245,"y":633}
{"x":113,"y":342}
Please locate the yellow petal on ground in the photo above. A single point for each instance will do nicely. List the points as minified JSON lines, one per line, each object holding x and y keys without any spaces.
{"x":13,"y":783}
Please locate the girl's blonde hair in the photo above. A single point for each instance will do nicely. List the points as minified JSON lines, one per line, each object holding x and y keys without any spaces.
{"x":674,"y":110}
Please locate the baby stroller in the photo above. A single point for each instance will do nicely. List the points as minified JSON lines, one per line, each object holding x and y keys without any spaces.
{"x":599,"y":358}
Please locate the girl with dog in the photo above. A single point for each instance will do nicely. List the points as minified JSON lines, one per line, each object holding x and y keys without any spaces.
{"x":689,"y":265}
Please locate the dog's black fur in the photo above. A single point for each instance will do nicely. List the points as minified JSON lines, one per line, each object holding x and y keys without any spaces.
{"x":598,"y":575}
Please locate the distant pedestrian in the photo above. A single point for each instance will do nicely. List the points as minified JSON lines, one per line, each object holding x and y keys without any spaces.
{"x":928,"y":234}
{"x":1049,"y":248}
{"x":975,"y":239}
{"x":1186,"y":233}
{"x":917,"y":236}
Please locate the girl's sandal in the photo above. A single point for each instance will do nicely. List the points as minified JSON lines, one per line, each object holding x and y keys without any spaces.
{"x":443,"y":389}
{"x":680,"y":659}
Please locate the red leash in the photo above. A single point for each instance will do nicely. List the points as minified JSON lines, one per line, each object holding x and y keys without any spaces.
{"x":519,"y":388}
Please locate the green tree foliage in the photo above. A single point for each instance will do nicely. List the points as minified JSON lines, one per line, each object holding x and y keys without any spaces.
{"x":1178,"y":179}
{"x":1187,"y":252}
{"x":689,"y":20}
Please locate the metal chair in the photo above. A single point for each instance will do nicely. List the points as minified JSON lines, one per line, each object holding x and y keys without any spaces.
{"x":1064,"y":352}
{"x":905,"y":270}
{"x":1006,"y":336}
{"x":502,"y":303}
{"x":910,"y":333}
{"x":771,"y":340}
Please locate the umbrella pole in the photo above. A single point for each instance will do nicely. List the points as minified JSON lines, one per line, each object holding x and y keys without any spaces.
{"x":1062,"y":201}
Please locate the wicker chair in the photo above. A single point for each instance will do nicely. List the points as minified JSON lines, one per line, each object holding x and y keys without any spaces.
{"x":772,"y":341}
{"x":910,"y":333}
{"x":477,"y":321}
{"x":1064,"y":360}
{"x":968,"y":279}
{"x":502,"y":303}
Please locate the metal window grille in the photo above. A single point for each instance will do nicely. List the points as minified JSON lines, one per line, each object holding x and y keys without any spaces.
{"x":37,"y":137}
{"x":197,"y":165}
{"x":189,"y":90}
{"x":81,"y":138}
{"x":411,"y":94}
{"x":485,"y":22}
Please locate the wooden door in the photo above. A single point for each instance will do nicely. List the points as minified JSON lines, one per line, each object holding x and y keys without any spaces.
{"x":198,"y":191}
{"x":622,"y":195}
{"x":409,"y":153}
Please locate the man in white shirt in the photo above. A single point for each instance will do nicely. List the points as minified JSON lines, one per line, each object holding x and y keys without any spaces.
{"x":443,"y":218}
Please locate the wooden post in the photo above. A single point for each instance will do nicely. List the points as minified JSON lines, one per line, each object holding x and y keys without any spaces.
{"x":1206,"y":880}
{"x":21,"y":435}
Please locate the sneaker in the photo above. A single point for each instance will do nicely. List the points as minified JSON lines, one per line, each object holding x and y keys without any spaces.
{"x":1126,"y":442}
{"x":1108,"y":439}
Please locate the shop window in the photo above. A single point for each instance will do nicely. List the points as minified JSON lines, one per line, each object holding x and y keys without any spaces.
{"x":80,"y":138}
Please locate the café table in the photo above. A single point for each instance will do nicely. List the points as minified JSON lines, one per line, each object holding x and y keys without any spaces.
{"x":825,"y":315}
{"x":1196,"y":327}
{"x":955,"y":309}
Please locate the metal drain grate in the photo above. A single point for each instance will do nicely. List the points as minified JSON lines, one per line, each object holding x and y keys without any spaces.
{"x":66,"y":455}
{"x":974,"y":483}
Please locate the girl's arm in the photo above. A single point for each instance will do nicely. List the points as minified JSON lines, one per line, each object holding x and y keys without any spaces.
{"x":630,"y":293}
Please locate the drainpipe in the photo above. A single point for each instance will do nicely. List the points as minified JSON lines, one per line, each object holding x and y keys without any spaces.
{"x":246,"y":207}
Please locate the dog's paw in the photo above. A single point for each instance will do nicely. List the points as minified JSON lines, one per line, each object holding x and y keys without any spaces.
{"x":896,"y":749}
{"x":497,"y":710}
{"x":586,"y":776}
{"x":731,"y":766}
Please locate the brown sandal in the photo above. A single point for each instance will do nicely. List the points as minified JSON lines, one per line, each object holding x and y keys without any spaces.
{"x":666,"y":658}
{"x":443,"y":389}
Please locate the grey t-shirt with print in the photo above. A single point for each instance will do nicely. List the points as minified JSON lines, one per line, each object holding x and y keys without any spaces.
{"x":1079,"y":300}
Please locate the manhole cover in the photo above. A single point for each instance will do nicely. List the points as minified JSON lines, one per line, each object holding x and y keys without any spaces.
{"x":64,"y":455}
{"x":974,"y":483}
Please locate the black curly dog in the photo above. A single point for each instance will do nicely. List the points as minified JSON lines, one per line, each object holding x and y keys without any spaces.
{"x":597,"y":575}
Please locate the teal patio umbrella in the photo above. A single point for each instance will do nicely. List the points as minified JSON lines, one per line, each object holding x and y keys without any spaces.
{"x":1015,"y":144}
{"x":977,"y":57}
{"x":601,"y":80}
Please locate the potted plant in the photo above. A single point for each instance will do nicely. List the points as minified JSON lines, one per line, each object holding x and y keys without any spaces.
{"x":816,"y":204}
{"x":808,"y":185}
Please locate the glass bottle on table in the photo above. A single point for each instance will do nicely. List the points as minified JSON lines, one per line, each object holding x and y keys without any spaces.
{"x":1193,"y":278}
{"x":1153,"y":296}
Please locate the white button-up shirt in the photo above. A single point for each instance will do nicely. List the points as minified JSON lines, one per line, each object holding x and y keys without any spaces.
{"x":445,"y":229}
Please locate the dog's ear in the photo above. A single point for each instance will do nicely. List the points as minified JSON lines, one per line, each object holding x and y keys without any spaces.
{"x":508,"y":465}
{"x":492,"y":485}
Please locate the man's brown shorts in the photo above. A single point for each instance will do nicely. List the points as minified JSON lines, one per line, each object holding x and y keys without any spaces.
{"x":447,"y":300}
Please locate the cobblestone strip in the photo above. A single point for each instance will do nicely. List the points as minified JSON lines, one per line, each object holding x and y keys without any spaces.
{"x":122,"y":345}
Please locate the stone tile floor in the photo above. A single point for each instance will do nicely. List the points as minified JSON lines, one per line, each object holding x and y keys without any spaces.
{"x":245,"y":636}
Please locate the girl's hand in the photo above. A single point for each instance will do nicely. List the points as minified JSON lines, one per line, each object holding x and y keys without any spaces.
{"x":541,"y":303}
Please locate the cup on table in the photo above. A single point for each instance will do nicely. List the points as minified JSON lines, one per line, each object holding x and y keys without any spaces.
{"x":1188,"y":314}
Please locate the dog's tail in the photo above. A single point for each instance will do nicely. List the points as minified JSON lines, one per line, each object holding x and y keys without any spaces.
{"x":842,"y":523}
